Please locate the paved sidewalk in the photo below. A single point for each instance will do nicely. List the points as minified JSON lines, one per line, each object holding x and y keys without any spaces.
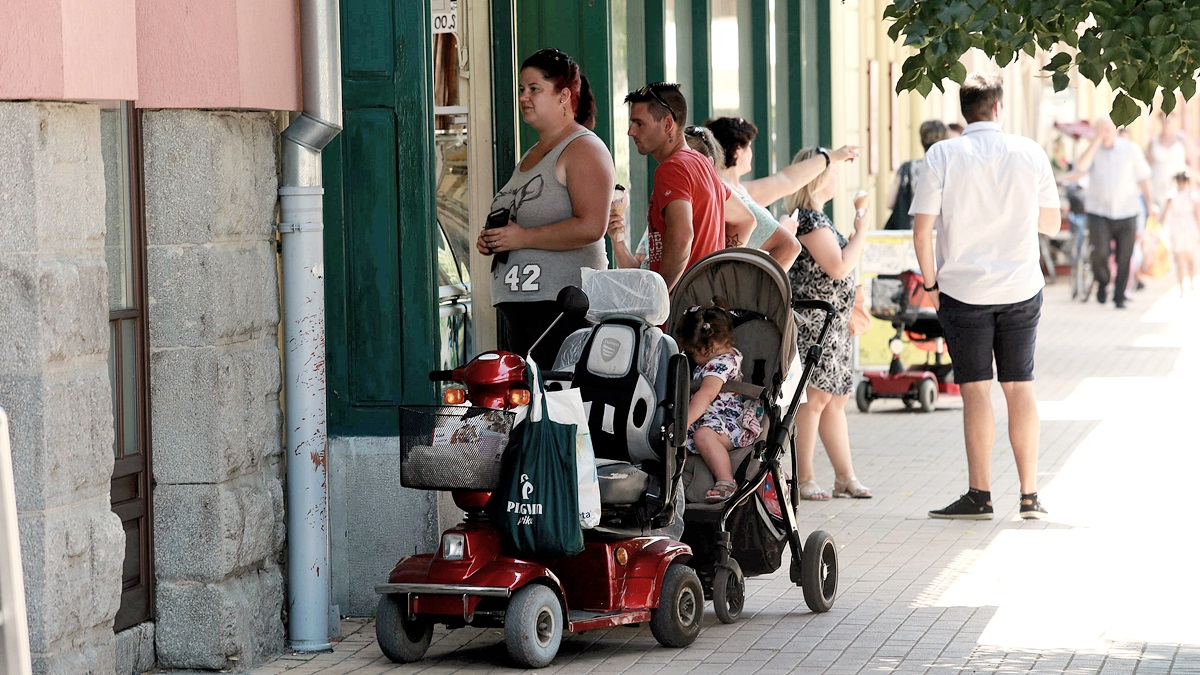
{"x":1101,"y":586}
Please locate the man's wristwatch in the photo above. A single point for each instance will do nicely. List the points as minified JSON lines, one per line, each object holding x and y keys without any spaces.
{"x":930,"y":289}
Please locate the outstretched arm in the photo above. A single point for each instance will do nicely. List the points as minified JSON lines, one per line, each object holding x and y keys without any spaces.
{"x":792,"y":177}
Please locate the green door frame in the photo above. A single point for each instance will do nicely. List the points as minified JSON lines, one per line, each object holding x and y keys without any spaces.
{"x":380,"y":221}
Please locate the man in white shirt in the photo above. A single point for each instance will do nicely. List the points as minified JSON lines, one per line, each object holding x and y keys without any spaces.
{"x":1119,"y":179}
{"x":990,"y":194}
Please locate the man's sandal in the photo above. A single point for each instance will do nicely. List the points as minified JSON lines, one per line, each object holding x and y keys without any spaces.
{"x":812,"y":492}
{"x":723,"y":490}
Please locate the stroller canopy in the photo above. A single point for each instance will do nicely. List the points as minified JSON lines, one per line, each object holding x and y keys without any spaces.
{"x":749,"y":280}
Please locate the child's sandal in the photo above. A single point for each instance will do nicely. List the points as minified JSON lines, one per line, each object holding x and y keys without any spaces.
{"x":721,"y":491}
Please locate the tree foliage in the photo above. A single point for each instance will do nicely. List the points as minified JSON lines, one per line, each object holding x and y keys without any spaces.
{"x":1138,"y":46}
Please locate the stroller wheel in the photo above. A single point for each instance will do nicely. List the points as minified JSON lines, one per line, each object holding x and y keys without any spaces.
{"x":819,"y":571}
{"x":729,"y":592}
{"x":863,"y":396}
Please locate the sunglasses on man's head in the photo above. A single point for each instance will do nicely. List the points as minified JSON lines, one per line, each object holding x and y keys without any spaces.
{"x":648,"y":90}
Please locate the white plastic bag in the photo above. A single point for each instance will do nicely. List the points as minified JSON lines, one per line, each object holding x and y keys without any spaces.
{"x":566,"y":407}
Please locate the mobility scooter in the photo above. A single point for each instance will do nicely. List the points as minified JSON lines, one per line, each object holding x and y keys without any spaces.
{"x":901,"y":299}
{"x":629,"y":572}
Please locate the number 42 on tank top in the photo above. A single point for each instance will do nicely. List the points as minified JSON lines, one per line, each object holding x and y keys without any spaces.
{"x":530,"y":274}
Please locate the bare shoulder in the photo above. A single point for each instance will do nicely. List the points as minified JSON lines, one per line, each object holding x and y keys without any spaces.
{"x":587,"y":146}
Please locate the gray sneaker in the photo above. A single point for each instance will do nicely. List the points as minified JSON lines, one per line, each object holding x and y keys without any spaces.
{"x":964,"y":508}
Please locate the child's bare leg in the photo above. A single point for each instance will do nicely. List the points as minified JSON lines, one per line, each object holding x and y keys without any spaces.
{"x":714,"y":450}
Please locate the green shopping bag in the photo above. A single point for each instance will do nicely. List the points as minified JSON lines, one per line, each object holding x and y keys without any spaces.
{"x":538,"y":507}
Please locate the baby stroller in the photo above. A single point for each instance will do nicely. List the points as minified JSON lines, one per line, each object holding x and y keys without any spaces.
{"x":745,"y":535}
{"x":901,"y":300}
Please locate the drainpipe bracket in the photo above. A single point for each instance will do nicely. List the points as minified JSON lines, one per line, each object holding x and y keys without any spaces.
{"x":290,"y":228}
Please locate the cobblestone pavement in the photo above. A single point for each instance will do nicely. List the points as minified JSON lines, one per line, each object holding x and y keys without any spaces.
{"x":1101,"y":586}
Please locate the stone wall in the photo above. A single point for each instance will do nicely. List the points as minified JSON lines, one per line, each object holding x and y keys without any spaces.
{"x":54,"y":382}
{"x":210,"y":197}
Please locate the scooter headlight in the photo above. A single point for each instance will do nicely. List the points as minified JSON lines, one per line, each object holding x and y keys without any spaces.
{"x":454,"y":545}
{"x":518,"y":397}
{"x":896,"y":345}
{"x":454,"y":396}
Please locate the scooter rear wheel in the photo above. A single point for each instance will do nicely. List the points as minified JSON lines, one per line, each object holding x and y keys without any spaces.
{"x":729,"y":592}
{"x":402,"y":640}
{"x":676,"y":620}
{"x":533,"y":626}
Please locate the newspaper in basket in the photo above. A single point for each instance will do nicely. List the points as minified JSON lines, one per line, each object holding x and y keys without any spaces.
{"x":892,"y":299}
{"x":452,"y":447}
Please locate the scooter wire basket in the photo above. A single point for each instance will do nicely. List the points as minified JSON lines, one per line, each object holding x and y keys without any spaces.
{"x":894,"y":297}
{"x":452,"y":447}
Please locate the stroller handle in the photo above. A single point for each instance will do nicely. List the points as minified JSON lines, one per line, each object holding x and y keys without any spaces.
{"x":800,"y":304}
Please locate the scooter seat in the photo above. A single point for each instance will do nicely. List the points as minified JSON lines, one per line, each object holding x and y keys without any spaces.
{"x":620,"y":482}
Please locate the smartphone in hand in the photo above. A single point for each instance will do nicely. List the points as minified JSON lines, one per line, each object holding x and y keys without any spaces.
{"x":498,"y":218}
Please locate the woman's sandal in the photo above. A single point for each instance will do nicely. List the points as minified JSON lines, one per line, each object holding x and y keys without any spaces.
{"x":811,"y":491}
{"x":722,"y":490}
{"x":851,"y":488}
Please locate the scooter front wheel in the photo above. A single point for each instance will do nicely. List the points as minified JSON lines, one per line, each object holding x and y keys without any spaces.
{"x":401,"y":639}
{"x":533,"y":626}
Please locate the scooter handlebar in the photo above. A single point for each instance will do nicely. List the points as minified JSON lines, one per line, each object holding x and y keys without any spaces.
{"x":441,"y":375}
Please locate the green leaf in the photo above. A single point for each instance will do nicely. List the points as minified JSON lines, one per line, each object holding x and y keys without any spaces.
{"x":1160,"y":24}
{"x":1060,"y":61}
{"x":1168,"y":104}
{"x":924,"y":87}
{"x":1061,"y":80}
{"x":958,"y":72}
{"x":1188,"y":88}
{"x":1124,"y":110}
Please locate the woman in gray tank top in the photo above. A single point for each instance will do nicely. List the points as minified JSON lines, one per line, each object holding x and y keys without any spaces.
{"x":558,"y":199}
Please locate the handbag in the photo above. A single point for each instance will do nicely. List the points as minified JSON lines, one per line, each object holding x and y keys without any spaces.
{"x":537,"y":510}
{"x":900,"y":220}
{"x":860,"y":321}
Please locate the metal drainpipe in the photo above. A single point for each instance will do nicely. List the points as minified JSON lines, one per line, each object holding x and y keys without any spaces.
{"x":300,"y":227}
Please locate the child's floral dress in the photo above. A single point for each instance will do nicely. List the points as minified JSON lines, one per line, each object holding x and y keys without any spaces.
{"x":729,"y":414}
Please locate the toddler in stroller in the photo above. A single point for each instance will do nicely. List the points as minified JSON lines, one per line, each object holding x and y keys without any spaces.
{"x":718,"y":421}
{"x":745,"y":534}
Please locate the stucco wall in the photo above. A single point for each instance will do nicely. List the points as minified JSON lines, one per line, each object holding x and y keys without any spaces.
{"x":210,"y":191}
{"x":54,"y":380}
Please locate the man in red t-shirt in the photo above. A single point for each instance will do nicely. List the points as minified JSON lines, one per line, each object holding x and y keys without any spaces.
{"x":687,"y":208}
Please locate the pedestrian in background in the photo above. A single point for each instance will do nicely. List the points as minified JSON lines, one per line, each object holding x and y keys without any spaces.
{"x":824,"y":270}
{"x":1181,"y":220}
{"x":994,"y":193}
{"x":1118,"y":183}
{"x":900,"y":195}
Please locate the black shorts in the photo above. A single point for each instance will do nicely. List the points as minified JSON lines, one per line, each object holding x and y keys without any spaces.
{"x":977,"y":333}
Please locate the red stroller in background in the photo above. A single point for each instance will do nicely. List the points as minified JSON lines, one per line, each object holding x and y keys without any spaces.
{"x":901,"y":300}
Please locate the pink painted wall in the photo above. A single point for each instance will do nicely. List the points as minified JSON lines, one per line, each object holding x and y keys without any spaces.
{"x":218,"y":54}
{"x":99,"y":49}
{"x":31,"y":49}
{"x":160,"y":53}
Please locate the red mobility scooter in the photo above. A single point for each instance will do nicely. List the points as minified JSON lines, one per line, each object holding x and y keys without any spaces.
{"x":628,"y":572}
{"x":901,"y":299}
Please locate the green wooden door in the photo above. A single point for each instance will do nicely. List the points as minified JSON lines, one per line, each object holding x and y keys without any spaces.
{"x":381,"y":334}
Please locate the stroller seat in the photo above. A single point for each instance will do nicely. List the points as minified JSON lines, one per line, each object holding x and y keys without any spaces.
{"x":623,"y":366}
